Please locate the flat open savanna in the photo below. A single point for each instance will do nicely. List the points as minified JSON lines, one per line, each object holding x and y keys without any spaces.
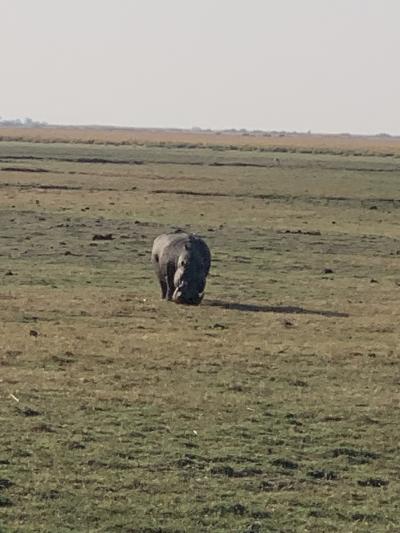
{"x":271,"y":407}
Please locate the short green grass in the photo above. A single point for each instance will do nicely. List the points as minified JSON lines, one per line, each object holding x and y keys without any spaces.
{"x":273,"y":406}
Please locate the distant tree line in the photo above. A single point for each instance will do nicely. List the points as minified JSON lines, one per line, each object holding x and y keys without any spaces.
{"x":24,"y":122}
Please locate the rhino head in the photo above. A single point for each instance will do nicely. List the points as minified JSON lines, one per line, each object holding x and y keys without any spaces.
{"x":189,"y":279}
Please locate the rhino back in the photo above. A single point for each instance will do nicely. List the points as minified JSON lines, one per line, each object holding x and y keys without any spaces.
{"x":168,"y":247}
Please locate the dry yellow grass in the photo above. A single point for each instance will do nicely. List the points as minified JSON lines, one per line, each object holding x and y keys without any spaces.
{"x":297,"y":142}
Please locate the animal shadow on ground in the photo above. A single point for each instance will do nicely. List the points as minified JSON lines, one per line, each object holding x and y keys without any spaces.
{"x":287,"y":309}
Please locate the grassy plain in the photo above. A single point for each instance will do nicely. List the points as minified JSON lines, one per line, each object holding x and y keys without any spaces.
{"x":273,"y":406}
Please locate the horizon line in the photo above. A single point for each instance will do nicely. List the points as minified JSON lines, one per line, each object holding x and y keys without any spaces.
{"x":28,"y":123}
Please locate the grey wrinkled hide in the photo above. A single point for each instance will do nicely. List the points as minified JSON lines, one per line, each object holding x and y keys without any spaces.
{"x":181,"y":262}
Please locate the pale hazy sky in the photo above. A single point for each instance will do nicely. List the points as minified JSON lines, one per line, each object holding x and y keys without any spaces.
{"x":319,"y":65}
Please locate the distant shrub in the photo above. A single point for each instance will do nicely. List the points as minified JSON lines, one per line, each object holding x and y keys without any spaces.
{"x":281,"y":149}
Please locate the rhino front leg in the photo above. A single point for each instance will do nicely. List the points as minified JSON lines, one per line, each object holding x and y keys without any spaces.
{"x":170,"y":281}
{"x":170,"y":289}
{"x":164,"y":289}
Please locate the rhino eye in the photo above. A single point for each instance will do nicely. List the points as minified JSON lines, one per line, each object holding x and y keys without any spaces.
{"x":183,"y":263}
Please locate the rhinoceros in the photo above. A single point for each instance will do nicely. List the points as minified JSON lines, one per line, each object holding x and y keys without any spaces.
{"x":181,"y":262}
